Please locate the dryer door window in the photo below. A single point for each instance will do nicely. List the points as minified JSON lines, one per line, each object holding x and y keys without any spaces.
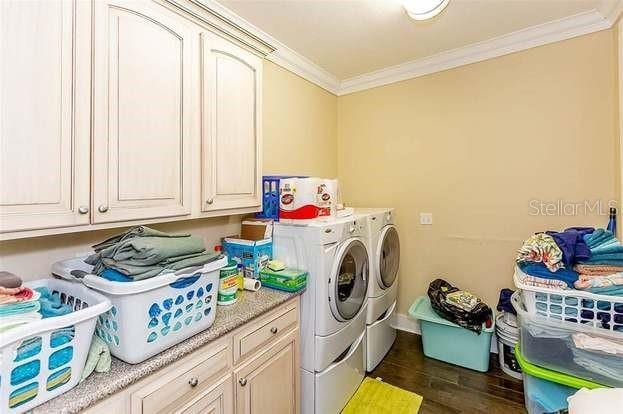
{"x":389,"y":256}
{"x":349,"y":281}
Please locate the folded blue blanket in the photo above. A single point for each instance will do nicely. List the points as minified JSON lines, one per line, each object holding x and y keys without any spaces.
{"x":539,"y":270}
{"x":115,"y":276}
{"x":19,"y":308}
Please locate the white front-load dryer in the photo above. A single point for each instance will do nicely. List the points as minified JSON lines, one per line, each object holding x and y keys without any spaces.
{"x":335,"y":254}
{"x":383,"y":284}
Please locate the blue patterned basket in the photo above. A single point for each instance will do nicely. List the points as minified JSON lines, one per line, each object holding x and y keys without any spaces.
{"x":149,"y":316}
{"x":45,"y":358}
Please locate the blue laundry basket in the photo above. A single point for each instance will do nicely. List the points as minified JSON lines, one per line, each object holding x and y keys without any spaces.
{"x":448,"y":342}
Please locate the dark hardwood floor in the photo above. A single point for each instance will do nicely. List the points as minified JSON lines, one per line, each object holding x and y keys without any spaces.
{"x":447,"y":388}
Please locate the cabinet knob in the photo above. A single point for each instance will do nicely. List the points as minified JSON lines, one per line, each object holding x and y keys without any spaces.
{"x":210,"y":201}
{"x":242,"y":381}
{"x":193,"y":381}
{"x":273,"y":330}
{"x":102,"y":209}
{"x":83,"y":210}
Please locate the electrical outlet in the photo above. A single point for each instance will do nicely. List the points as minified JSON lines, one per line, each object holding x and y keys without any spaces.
{"x":426,"y":218}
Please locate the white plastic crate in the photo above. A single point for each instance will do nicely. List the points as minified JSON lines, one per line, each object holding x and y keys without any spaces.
{"x":549,"y":343}
{"x":45,"y":358}
{"x":576,"y":306}
{"x":151,"y":315}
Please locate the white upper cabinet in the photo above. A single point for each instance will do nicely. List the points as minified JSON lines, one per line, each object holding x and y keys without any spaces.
{"x":143,"y":83}
{"x":231,"y":125}
{"x":44,"y":124}
{"x":124,"y":112}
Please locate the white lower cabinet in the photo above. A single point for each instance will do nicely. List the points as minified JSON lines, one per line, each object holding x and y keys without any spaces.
{"x":213,"y":380}
{"x":122,"y":112}
{"x":269,"y":383}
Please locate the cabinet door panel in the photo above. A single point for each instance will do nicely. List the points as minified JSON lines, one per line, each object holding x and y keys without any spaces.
{"x":269,"y":383}
{"x":217,"y":400}
{"x":143,"y":83}
{"x":231,"y":125}
{"x":44,"y":126}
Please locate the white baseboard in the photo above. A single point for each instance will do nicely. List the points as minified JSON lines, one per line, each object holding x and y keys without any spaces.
{"x":405,"y":323}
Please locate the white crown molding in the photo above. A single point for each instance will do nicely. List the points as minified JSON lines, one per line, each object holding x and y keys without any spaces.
{"x":566,"y":28}
{"x":225,"y":21}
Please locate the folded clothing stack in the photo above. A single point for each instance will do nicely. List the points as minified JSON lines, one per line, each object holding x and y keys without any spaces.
{"x":602,"y":272}
{"x":547,"y":259}
{"x":141,"y":253}
{"x":459,"y":306}
{"x":20,"y":305}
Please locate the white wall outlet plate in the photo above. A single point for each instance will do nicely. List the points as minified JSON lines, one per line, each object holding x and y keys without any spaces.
{"x":426,"y":218}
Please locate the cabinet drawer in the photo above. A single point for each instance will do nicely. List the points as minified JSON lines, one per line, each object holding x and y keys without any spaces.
{"x":172,"y":391}
{"x":264,"y":331}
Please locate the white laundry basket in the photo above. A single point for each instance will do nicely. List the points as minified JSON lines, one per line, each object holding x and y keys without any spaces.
{"x":45,"y":358}
{"x":151,"y":315}
{"x":575,"y":306}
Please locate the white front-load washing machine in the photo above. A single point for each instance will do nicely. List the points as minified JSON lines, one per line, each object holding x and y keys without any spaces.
{"x":384,"y":249}
{"x":335,"y":254}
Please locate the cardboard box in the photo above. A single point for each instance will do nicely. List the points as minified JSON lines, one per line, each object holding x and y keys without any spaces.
{"x":256,"y":229}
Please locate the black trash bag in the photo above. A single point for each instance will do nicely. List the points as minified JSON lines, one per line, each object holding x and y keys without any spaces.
{"x":504,"y":304}
{"x":446,"y":301}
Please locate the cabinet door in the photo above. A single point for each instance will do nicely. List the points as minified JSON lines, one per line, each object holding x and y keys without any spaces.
{"x":270,"y":382}
{"x":216,"y":400}
{"x":231,"y":125}
{"x":44,"y":124}
{"x":143,"y":82}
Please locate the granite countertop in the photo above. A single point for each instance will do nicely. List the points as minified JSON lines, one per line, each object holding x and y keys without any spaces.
{"x":99,"y":386}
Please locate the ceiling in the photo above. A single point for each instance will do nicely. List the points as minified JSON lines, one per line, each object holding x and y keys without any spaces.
{"x":348,"y":38}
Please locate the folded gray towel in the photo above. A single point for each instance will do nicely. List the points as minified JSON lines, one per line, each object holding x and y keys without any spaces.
{"x":9,"y":280}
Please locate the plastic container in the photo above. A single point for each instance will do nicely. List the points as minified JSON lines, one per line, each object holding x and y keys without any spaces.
{"x":449,"y":342}
{"x":549,"y":343}
{"x":582,"y":308}
{"x":289,"y":280}
{"x":507,"y":335}
{"x":47,"y":350}
{"x":151,"y":315}
{"x":252,"y":255}
{"x":546,"y":391}
{"x":228,"y":284}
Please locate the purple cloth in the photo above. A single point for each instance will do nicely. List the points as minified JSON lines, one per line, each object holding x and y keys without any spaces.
{"x":572,"y":244}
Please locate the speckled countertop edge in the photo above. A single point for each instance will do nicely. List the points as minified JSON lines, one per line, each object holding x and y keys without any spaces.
{"x":99,"y":386}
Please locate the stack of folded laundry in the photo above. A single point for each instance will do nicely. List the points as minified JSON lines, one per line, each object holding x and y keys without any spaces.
{"x":141,"y":253}
{"x":547,"y":259}
{"x":602,"y":272}
{"x":20,"y":305}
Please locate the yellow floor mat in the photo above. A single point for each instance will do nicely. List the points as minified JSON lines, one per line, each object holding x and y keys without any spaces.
{"x":378,"y":397}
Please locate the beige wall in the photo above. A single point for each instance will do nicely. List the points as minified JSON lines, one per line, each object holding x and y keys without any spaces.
{"x":300,"y":128}
{"x":300,"y":125}
{"x":474,"y":145}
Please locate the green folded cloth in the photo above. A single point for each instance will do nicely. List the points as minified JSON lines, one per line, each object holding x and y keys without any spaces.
{"x":142,"y":252}
{"x":98,"y":359}
{"x":145,"y":272}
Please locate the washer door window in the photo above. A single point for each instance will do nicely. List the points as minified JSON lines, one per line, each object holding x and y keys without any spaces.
{"x":348,"y":285}
{"x":389,"y":256}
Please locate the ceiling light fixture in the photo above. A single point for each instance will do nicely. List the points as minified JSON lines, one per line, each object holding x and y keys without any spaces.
{"x":424,"y":9}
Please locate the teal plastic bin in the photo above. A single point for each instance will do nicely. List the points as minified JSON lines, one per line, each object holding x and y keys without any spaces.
{"x":449,"y":342}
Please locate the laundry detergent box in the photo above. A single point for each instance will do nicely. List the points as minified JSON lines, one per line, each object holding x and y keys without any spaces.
{"x":288,"y":279}
{"x":253,"y":255}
